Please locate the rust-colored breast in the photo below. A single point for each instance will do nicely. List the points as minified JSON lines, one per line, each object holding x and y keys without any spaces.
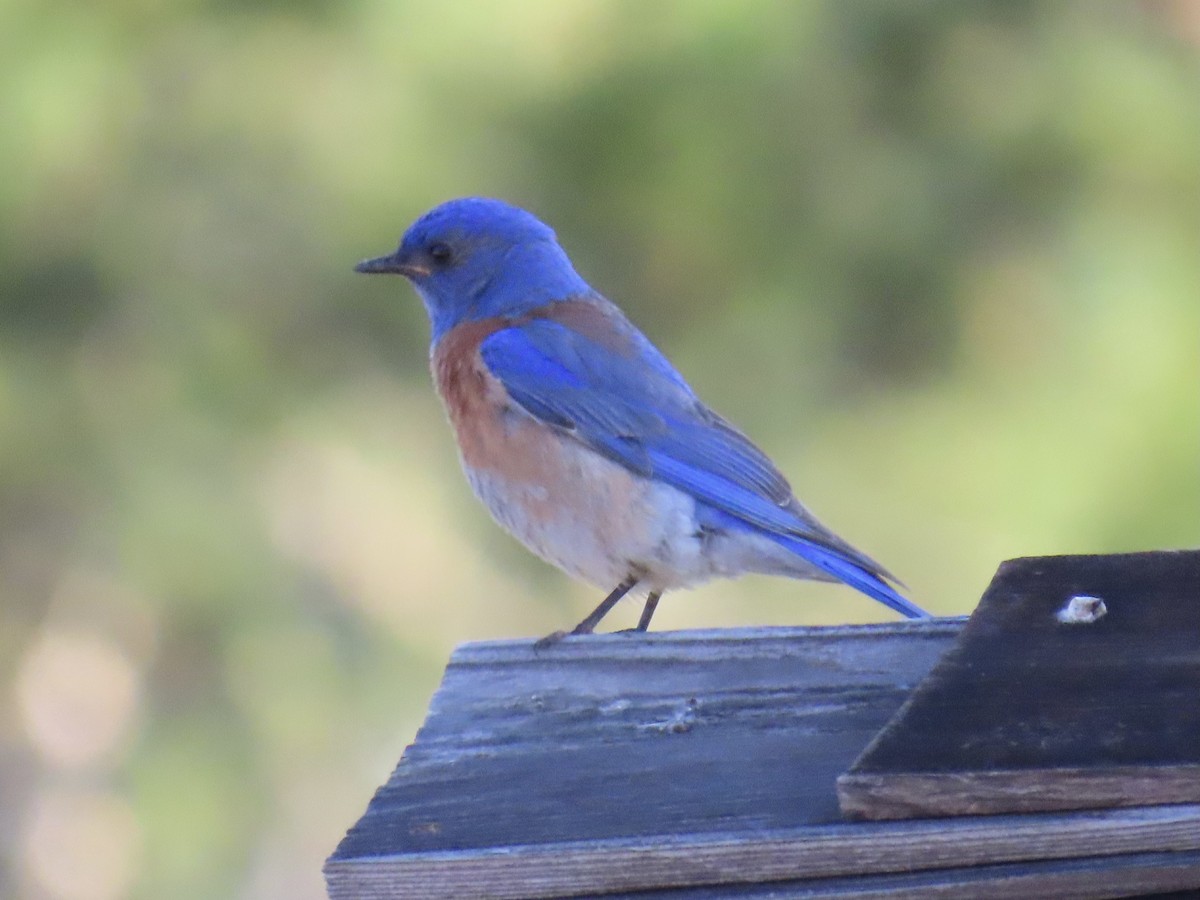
{"x":570,"y":505}
{"x":492,"y":437}
{"x":474,"y":399}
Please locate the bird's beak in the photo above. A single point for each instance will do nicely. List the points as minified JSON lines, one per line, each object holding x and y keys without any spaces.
{"x":393,"y":264}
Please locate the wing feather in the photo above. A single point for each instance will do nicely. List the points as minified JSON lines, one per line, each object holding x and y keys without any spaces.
{"x":645,"y":419}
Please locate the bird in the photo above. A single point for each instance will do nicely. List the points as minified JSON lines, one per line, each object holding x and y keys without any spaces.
{"x":580,"y":437}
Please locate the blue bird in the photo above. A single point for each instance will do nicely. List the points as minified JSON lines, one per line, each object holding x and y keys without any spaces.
{"x":579,"y":436}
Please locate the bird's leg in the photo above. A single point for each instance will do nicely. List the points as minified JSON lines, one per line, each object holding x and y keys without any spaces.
{"x":648,"y":611}
{"x":594,"y":617}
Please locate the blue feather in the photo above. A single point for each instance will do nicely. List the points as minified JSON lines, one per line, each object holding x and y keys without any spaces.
{"x":843,"y":569}
{"x":637,"y":411}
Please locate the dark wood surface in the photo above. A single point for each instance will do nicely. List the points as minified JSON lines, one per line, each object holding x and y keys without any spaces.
{"x":1148,"y":876}
{"x":705,"y":761}
{"x":960,"y":858}
{"x":1028,"y":713}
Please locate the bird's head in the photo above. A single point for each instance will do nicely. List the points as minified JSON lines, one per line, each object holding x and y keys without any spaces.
{"x":475,"y":258}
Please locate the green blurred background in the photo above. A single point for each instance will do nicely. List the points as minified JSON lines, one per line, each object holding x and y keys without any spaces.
{"x":942,"y":259}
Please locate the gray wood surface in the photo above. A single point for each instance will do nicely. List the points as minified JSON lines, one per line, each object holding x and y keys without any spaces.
{"x":1028,"y":713}
{"x":699,"y":761}
{"x":1097,"y":846}
{"x":1143,"y":875}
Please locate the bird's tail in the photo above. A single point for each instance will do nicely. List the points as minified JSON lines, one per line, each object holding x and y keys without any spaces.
{"x":852,"y":573}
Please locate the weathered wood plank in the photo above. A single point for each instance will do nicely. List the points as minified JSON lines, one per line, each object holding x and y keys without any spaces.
{"x":670,"y":732}
{"x":1133,"y":875}
{"x":688,"y":759}
{"x":1030,"y":713}
{"x":749,"y":857}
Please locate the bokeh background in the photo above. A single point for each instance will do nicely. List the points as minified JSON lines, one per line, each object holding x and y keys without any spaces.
{"x":942,"y":259}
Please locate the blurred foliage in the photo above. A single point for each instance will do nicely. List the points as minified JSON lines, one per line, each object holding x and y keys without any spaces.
{"x":940,"y":258}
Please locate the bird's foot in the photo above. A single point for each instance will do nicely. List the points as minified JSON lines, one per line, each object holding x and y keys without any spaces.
{"x":549,"y":640}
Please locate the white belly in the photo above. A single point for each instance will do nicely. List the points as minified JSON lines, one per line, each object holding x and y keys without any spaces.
{"x":600,"y":522}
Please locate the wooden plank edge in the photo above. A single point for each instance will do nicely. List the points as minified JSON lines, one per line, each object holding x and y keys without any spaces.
{"x":1129,"y":875}
{"x":905,"y":795}
{"x":628,"y":864}
{"x":619,"y":643}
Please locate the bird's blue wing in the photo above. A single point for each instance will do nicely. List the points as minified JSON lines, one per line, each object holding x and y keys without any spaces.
{"x":636,"y":410}
{"x":625,"y":400}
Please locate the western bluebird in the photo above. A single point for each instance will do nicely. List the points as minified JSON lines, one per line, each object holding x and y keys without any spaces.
{"x":580,"y":437}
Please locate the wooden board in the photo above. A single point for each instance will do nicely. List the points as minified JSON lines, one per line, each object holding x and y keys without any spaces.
{"x":695,"y":760}
{"x":1145,"y":875}
{"x":1030,"y":713}
{"x":848,"y":861}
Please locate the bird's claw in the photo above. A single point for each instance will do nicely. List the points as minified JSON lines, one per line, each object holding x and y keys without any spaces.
{"x":549,"y":640}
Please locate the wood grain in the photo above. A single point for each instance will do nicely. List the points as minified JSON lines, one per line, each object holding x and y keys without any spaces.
{"x":700,"y":761}
{"x":1132,"y":875}
{"x":573,"y":868}
{"x":1028,"y":713}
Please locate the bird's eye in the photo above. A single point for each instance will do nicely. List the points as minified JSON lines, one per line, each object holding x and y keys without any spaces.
{"x":440,"y":253}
